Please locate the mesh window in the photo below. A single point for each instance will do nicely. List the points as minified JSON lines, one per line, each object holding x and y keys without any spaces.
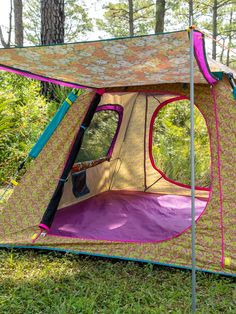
{"x":171,"y":144}
{"x":98,"y":137}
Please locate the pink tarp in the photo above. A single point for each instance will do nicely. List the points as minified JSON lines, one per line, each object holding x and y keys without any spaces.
{"x":126,"y":216}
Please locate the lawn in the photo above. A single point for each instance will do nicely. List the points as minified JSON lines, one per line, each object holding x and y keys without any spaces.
{"x":39,"y":282}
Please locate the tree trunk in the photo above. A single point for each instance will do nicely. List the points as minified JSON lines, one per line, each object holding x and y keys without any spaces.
{"x":230,"y":37}
{"x":214,"y":27}
{"x":7,"y":44}
{"x":222,"y":51}
{"x":160,"y":16}
{"x":18,"y":8}
{"x":52,"y":32}
{"x":52,"y":21}
{"x":131,"y":18}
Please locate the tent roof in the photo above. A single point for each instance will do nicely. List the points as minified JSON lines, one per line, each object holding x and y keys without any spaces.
{"x":219,"y":67}
{"x":135,"y":61}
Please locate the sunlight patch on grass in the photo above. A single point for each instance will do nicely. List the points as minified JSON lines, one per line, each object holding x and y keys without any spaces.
{"x":33,"y":282}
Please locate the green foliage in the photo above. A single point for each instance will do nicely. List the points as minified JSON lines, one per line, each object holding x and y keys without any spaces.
{"x":115,"y":21}
{"x":6,"y":122}
{"x":203,"y":19}
{"x":171,"y":144}
{"x":77,"y":21}
{"x":99,"y":135}
{"x":31,"y":21}
{"x":23,"y":116}
{"x":33,"y":282}
{"x":116,"y":18}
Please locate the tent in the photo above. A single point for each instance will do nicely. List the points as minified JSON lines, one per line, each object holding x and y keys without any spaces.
{"x":122,"y":205}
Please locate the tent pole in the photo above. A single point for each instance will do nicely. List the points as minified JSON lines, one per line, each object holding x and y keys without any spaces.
{"x":192,"y":153}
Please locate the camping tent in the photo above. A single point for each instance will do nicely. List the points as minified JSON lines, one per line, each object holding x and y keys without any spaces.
{"x":122,"y":205}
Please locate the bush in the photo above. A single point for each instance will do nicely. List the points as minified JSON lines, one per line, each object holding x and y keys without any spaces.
{"x":171,"y":144}
{"x":24,"y":114}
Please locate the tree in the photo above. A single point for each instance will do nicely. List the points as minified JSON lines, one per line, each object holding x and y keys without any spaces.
{"x":227,"y":31}
{"x":16,"y":7}
{"x":77,"y":22}
{"x":212,"y":16}
{"x":52,"y":31}
{"x":19,"y":37}
{"x":214,"y":12}
{"x":52,"y":21}
{"x":230,"y":34}
{"x":128,"y":18}
{"x":124,"y":18}
{"x":23,"y":116}
{"x":131,"y":18}
{"x":160,"y":16}
{"x":216,"y":6}
{"x":7,"y":43}
{"x":171,"y":144}
{"x":32,"y":21}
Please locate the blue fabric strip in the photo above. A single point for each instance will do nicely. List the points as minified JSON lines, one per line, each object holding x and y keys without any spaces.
{"x":51,"y":127}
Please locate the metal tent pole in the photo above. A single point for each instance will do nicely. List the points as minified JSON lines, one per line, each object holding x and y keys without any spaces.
{"x":192,"y":153}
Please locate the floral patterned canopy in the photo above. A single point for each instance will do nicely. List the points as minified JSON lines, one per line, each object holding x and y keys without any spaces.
{"x":137,"y":61}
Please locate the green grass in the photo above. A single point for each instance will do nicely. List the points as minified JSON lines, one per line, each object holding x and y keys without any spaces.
{"x":37,"y":282}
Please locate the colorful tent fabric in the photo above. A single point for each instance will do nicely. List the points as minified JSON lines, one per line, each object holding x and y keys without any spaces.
{"x":219,"y":67}
{"x":59,"y":115}
{"x":128,"y":181}
{"x":146,"y":60}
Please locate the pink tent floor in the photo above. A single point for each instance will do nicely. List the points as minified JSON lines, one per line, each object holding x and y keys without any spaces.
{"x":127,"y":216}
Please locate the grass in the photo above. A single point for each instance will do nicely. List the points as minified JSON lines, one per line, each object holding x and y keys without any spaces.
{"x":38,"y":282}
{"x":33,"y":282}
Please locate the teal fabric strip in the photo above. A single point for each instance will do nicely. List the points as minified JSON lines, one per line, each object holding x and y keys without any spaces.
{"x":234,"y":92}
{"x":47,"y":133}
{"x":218,"y":74}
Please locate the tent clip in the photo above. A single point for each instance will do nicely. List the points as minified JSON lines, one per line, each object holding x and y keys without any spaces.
{"x":83,"y":127}
{"x":63,"y":180}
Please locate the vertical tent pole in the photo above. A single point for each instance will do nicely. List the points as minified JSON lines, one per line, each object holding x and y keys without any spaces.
{"x":192,"y":153}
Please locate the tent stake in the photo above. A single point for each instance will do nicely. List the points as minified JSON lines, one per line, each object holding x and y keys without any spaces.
{"x":192,"y":153}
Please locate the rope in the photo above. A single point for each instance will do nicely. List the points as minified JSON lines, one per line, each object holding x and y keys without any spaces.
{"x":219,"y":43}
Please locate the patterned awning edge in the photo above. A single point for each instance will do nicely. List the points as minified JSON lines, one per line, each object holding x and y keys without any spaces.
{"x":136,"y":61}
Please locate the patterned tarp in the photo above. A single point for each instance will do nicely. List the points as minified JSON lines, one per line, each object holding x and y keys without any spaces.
{"x":215,"y":233}
{"x":219,"y":67}
{"x":215,"y":229}
{"x":144,"y":60}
